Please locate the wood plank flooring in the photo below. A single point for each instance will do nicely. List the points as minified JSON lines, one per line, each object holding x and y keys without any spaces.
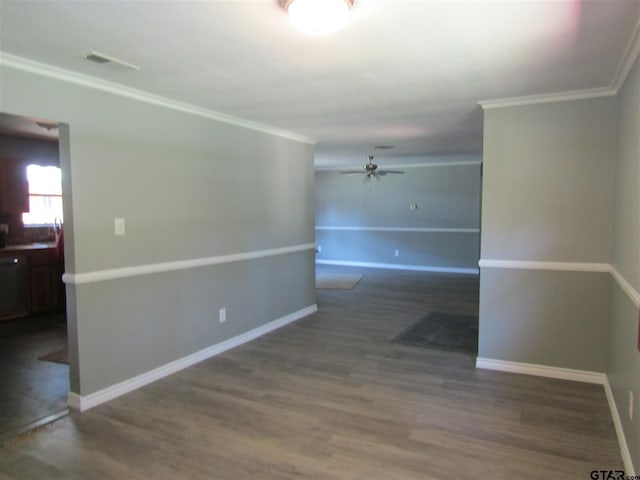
{"x":331,"y":397}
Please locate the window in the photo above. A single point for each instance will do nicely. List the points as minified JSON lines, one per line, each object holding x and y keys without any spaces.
{"x":45,"y":195}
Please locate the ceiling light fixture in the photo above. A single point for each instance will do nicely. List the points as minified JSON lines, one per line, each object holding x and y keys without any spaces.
{"x":319,"y":17}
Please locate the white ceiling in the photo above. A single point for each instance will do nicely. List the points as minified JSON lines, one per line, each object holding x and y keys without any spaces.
{"x":403,"y":73}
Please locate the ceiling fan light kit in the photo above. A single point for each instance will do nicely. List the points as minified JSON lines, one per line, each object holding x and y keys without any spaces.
{"x":319,"y":17}
{"x":371,"y":170}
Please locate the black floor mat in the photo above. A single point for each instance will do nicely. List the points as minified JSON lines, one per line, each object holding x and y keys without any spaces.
{"x":444,"y":331}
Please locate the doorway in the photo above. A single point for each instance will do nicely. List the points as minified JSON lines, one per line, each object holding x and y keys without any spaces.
{"x":33,"y":321}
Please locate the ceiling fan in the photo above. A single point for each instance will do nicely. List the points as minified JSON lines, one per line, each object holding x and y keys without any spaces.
{"x":371,"y":170}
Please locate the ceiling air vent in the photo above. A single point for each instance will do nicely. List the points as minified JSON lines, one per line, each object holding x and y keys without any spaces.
{"x":101,"y":58}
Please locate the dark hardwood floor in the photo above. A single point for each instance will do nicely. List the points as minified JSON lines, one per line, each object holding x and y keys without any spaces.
{"x":33,"y":391}
{"x":331,"y":397}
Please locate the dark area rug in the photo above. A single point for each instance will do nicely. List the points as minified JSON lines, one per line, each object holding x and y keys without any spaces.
{"x":60,"y":356}
{"x":445,"y":331}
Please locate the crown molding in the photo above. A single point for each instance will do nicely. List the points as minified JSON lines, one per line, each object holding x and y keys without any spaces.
{"x":548,"y":98}
{"x":628,"y":59}
{"x":68,"y":76}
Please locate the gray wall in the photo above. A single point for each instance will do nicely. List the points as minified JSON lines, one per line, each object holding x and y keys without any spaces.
{"x":561,"y":185}
{"x":548,"y":190}
{"x":361,"y":220}
{"x":548,"y":181}
{"x":556,"y":319}
{"x":623,"y":366}
{"x":189,"y":188}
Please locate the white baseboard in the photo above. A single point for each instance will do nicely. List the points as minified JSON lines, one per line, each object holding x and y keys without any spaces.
{"x":541,"y":370}
{"x":85,"y":402}
{"x":400,"y":266}
{"x":569,"y":374}
{"x":617,"y":423}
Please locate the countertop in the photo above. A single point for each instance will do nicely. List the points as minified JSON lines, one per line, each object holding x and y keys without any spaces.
{"x":28,"y":246}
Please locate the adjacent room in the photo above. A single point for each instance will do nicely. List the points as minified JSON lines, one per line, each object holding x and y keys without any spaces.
{"x":33,"y":331}
{"x":400,"y":243}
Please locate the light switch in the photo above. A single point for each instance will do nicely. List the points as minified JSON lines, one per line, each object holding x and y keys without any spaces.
{"x":119,"y":226}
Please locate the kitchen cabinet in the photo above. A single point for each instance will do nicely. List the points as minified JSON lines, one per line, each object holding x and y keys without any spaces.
{"x":45,"y":281}
{"x":14,"y":187}
{"x":30,"y":280}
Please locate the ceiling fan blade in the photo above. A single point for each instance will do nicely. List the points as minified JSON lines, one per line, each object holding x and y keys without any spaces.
{"x":384,"y":172}
{"x":351,"y":172}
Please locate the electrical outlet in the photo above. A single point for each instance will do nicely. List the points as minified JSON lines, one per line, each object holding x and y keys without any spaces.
{"x":222,"y":315}
{"x":397,"y":253}
{"x":630,"y":405}
{"x":118,"y":225}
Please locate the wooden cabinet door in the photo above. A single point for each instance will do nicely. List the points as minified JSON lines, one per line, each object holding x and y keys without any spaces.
{"x":14,"y":187}
{"x":47,"y":291}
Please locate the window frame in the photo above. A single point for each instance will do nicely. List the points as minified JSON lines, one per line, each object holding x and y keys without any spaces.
{"x":48,"y":195}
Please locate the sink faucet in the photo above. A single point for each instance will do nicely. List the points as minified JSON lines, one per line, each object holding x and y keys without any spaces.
{"x":57,"y":225}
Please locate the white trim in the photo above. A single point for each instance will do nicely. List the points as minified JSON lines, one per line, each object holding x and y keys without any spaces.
{"x":626,"y":286}
{"x":541,"y":370}
{"x":453,"y":163}
{"x":125,"y":272}
{"x":85,"y":402}
{"x":617,"y":423}
{"x":74,"y":401}
{"x":42,"y":69}
{"x":401,"y":229}
{"x":536,"y":265}
{"x":628,"y":59}
{"x":574,"y":375}
{"x":549,"y":98}
{"x":633,"y":294}
{"x":399,"y":266}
